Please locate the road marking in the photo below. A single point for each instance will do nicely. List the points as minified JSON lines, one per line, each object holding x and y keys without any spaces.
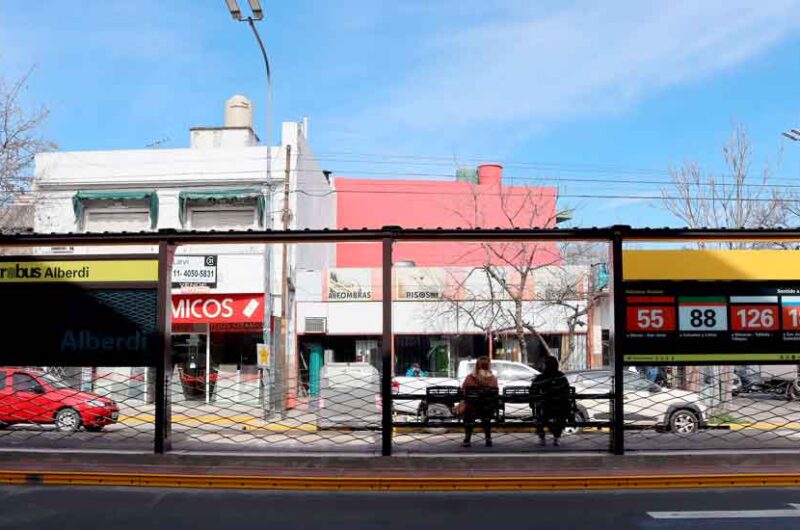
{"x":730,"y":514}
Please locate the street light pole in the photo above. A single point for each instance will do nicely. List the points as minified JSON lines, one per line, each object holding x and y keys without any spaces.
{"x":275,"y":403}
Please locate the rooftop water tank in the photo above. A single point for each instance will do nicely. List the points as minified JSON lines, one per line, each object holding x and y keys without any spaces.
{"x":238,"y":112}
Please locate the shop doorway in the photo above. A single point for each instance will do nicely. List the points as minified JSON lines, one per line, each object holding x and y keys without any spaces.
{"x":192,"y":356}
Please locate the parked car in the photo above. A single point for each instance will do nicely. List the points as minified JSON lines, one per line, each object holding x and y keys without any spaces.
{"x":507,"y":373}
{"x":29,"y":396}
{"x":645,"y":403}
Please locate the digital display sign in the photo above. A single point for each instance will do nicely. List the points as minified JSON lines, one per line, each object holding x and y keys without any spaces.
{"x":697,"y":322}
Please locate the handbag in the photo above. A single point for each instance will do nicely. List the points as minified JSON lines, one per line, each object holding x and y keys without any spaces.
{"x":458,"y":410}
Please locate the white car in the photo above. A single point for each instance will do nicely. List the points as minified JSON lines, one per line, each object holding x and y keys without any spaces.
{"x":508,"y":373}
{"x":645,"y":403}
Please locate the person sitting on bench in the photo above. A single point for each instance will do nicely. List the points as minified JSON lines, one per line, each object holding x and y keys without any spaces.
{"x":550,"y":392}
{"x":480,"y":402}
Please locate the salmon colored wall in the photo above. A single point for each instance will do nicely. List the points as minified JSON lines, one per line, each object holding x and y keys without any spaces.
{"x":432,"y":204}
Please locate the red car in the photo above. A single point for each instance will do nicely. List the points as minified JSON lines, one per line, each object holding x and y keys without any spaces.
{"x":28,"y":396}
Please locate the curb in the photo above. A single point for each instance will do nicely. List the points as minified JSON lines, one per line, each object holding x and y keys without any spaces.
{"x":337,"y":483}
{"x":243,"y":422}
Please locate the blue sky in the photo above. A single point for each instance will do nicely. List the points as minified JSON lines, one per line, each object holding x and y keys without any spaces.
{"x":558,"y":91}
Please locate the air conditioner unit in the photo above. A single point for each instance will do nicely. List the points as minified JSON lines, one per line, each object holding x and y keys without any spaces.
{"x":316,"y":325}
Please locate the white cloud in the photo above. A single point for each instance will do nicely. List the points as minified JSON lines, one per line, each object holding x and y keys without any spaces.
{"x":593,"y":58}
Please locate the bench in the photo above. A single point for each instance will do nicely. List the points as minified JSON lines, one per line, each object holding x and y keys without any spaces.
{"x":439,"y":402}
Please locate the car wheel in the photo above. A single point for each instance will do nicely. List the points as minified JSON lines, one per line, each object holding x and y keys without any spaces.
{"x":439,"y":411}
{"x":94,"y":428}
{"x":67,"y":420}
{"x":579,"y":416}
{"x":793,"y":390}
{"x":683,"y":422}
{"x":3,"y":425}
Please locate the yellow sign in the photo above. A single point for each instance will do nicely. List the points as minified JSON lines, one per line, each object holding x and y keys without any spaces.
{"x":89,"y":271}
{"x":262,"y":354}
{"x":711,"y":265}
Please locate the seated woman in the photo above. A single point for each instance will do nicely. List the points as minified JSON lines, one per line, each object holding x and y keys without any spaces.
{"x":551,"y":391}
{"x":479,"y":388}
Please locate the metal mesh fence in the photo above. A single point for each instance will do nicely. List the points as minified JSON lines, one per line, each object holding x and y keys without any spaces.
{"x":229,"y":393}
{"x":444,"y":415}
{"x":232,"y":410}
{"x":712,"y":407}
{"x":666,"y":408}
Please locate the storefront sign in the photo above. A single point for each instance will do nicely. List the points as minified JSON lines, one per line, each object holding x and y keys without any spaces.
{"x":194,"y":270}
{"x":347,"y":285}
{"x":217,"y":308}
{"x":420,"y":283}
{"x":79,"y":271}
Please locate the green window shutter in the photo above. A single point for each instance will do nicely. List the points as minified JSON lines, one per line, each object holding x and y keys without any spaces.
{"x":80,"y":198}
{"x":215,"y":196}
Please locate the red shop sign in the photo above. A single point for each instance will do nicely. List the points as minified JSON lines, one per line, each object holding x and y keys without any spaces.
{"x":217,"y":308}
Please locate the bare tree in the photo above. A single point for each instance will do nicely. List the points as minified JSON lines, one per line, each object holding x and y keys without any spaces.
{"x":21,"y":139}
{"x":498,"y":296}
{"x":568,"y":288}
{"x":740,"y":198}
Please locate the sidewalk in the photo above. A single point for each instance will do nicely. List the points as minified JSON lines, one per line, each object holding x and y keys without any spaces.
{"x":241,"y":416}
{"x":435,"y":472}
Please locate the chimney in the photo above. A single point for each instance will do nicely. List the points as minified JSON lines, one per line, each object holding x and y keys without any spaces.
{"x":490,"y":174}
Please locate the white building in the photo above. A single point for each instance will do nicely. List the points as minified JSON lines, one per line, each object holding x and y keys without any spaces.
{"x":220,"y":182}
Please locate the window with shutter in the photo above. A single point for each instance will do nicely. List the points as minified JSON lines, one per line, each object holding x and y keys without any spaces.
{"x":117,"y":220}
{"x":243,"y":218}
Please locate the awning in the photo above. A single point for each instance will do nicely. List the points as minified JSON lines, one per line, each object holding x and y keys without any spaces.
{"x":215,"y":196}
{"x":78,"y":201}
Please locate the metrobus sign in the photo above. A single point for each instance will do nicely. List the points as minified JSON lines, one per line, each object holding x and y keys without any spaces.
{"x":702,"y":307}
{"x":79,"y":311}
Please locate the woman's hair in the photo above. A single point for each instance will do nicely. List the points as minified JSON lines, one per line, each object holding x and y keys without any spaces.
{"x":482,"y":363}
{"x":550,"y":364}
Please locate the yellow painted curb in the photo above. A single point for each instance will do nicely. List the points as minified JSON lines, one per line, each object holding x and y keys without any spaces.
{"x":763,"y":426}
{"x":403,"y":483}
{"x":246,"y":422}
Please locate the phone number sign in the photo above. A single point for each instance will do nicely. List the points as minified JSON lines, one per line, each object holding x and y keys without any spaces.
{"x":695,"y":322}
{"x":194,"y":270}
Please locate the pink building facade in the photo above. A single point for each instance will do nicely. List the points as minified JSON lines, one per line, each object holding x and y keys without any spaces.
{"x":487,"y":202}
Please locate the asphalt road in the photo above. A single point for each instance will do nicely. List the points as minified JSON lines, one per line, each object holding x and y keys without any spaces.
{"x":65,"y":508}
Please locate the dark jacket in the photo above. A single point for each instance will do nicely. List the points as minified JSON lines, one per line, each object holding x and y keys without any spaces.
{"x":550,"y":393}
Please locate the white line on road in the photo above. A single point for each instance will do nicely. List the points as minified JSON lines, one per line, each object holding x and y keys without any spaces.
{"x":730,"y":514}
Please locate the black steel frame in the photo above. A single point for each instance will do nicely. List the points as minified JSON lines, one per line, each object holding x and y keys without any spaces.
{"x":616,"y":236}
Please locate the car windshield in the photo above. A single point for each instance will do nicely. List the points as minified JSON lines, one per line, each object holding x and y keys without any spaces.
{"x":636,"y":383}
{"x":53,"y":381}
